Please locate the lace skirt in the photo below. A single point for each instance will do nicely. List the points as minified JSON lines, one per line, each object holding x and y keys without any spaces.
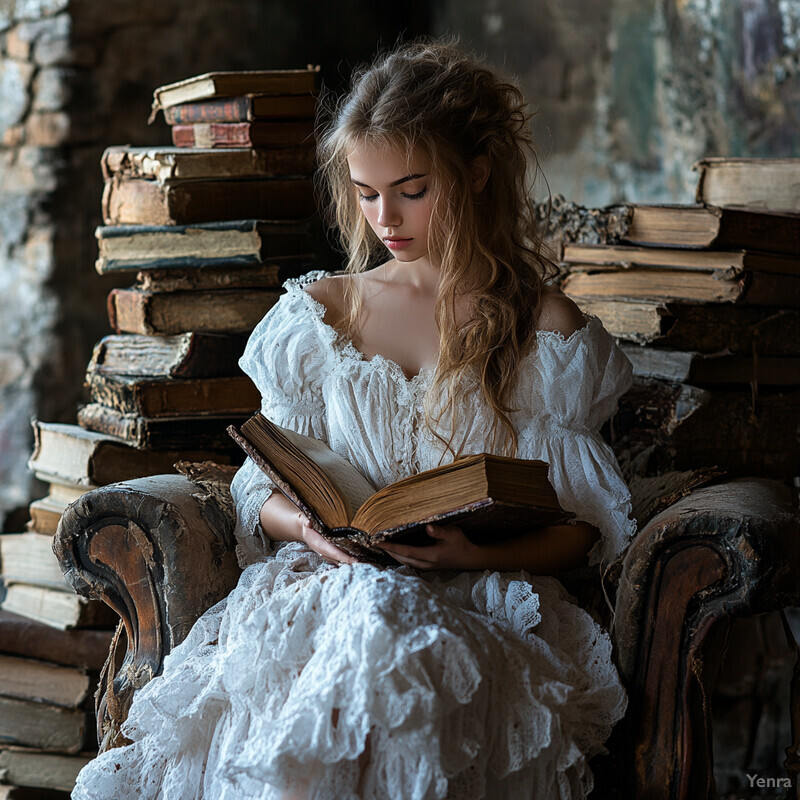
{"x":360,"y":682}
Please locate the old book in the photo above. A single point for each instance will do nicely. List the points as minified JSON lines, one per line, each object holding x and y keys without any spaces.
{"x":662,"y":426}
{"x":31,"y":793}
{"x":161,"y":164}
{"x":29,"y":558}
{"x":30,"y":679}
{"x":50,"y":773}
{"x":163,"y":397}
{"x":160,"y":433}
{"x":269,"y":275}
{"x":720,"y":228}
{"x":45,"y":514}
{"x":244,"y":108}
{"x":490,"y":497}
{"x":707,"y":328}
{"x":176,"y":202}
{"x":185,"y":355}
{"x":81,"y":457}
{"x":642,"y":283}
{"x":770,"y":184}
{"x":239,"y":242}
{"x":283,"y":133}
{"x":736,"y":261}
{"x":13,"y":792}
{"x":59,"y":609}
{"x":168,"y":313}
{"x":711,"y":369}
{"x":43,"y":726}
{"x":231,"y":84}
{"x":81,"y":648}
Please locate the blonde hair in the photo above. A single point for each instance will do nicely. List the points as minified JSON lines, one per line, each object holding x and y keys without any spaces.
{"x":431,"y":98}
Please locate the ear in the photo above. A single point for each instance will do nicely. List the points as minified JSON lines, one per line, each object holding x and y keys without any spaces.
{"x":479,"y":170}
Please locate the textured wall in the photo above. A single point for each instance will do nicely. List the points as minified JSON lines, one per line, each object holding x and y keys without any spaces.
{"x":75,"y":77}
{"x":631,"y":92}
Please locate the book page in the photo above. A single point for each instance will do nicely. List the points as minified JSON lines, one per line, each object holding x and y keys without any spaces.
{"x":354,"y":488}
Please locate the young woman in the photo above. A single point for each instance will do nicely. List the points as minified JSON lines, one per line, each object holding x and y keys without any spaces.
{"x":466,"y":672}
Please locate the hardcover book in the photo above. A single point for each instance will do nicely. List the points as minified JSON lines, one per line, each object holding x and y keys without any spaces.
{"x":766,"y":184}
{"x":237,"y":242}
{"x":186,"y":355}
{"x":175,"y":202}
{"x":705,"y":226}
{"x":489,"y":497}
{"x":244,"y":108}
{"x":233,"y":83}
{"x":168,"y":313}
{"x":181,"y":163}
{"x":244,"y":134}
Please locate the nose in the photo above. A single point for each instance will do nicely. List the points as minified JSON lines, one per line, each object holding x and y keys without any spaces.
{"x":389,"y":214}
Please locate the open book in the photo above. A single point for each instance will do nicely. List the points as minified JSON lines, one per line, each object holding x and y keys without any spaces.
{"x":489,"y":497}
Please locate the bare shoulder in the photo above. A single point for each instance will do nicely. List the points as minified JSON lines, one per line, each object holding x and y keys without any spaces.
{"x":329,"y":292}
{"x":558,"y":313}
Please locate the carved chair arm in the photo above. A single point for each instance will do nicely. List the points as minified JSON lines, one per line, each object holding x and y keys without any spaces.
{"x":730,"y":549}
{"x":159,"y":551}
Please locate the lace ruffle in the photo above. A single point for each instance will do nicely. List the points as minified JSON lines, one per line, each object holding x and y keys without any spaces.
{"x":306,"y":667}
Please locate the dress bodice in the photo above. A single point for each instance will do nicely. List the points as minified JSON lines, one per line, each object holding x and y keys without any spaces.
{"x":316,"y":382}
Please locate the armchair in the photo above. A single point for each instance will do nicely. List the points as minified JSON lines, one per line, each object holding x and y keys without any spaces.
{"x":160,"y":551}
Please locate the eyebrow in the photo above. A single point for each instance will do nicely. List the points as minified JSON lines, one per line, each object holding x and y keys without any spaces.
{"x":393,"y":183}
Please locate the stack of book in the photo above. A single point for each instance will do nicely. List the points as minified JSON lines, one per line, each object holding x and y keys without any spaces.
{"x":211,"y":228}
{"x":706,"y":302}
{"x":47,"y":679}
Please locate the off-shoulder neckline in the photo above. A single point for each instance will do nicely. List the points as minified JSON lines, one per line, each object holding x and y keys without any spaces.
{"x":346,"y":350}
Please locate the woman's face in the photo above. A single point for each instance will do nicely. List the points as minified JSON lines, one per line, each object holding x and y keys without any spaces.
{"x":392,"y":190}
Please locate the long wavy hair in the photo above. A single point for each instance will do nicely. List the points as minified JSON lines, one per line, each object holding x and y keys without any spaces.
{"x":432,"y":98}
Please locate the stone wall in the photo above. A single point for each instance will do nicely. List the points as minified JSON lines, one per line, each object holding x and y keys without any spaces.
{"x":75,"y":77}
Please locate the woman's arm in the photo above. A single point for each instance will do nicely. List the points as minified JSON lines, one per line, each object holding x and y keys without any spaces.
{"x":281,"y":521}
{"x":545,"y":551}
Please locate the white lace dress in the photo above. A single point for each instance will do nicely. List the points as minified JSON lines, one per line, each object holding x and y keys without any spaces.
{"x":357,"y":681}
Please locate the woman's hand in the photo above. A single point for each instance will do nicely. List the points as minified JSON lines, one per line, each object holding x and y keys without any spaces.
{"x":319,"y":544}
{"x":452,"y":550}
{"x":282,"y":522}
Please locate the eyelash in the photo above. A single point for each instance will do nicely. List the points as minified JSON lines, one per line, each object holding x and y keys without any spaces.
{"x":369,"y":198}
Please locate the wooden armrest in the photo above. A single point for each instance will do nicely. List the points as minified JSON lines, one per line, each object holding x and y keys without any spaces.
{"x":729,"y":549}
{"x":160,"y":552}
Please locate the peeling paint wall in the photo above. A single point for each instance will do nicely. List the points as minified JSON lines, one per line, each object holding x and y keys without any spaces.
{"x":630,"y":93}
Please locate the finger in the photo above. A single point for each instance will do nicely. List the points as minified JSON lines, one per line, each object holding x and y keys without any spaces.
{"x":327,"y":549}
{"x":417,"y":563}
{"x":442,"y":531}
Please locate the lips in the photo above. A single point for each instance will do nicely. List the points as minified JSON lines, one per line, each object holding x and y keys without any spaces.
{"x":396,"y":242}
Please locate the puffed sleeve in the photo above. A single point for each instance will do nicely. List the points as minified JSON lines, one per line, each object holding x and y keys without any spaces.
{"x":574,"y":384}
{"x":287,"y":358}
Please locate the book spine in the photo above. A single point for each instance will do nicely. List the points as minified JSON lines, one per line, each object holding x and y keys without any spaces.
{"x":187,"y":356}
{"x":137,"y":201}
{"x":204,"y":431}
{"x":242,"y":134}
{"x":129,"y":311}
{"x":222,"y":109}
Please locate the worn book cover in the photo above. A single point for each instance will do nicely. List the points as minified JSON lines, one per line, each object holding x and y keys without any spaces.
{"x":281,"y":133}
{"x":167,"y":313}
{"x":489,"y":497}
{"x":185,"y":355}
{"x":233,"y":83}
{"x":232,"y":243}
{"x":244,"y":108}
{"x":762,"y":184}
{"x":180,"y":163}
{"x":145,"y":202}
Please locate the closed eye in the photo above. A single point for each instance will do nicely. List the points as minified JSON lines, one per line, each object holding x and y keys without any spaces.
{"x":367,"y":197}
{"x":416,"y":196}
